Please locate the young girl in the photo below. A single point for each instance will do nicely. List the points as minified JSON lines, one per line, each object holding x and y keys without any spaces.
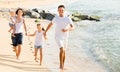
{"x":39,"y":40}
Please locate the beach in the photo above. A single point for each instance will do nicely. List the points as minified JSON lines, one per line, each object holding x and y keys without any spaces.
{"x":26,"y":63}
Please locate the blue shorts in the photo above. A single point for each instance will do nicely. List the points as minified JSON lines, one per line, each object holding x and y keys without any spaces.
{"x":17,"y":40}
{"x":10,"y":24}
{"x":38,"y":46}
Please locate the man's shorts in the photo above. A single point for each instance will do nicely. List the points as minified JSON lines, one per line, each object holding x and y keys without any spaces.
{"x":62,"y":43}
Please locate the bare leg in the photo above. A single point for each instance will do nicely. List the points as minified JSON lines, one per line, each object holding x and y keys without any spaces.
{"x":41,"y":56}
{"x":14,"y":48}
{"x":18,"y":51}
{"x":62,"y":57}
{"x":36,"y":50}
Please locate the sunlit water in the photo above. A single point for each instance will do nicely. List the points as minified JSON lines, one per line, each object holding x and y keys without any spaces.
{"x":101,"y":39}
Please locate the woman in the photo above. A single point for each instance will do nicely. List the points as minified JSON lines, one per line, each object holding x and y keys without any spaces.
{"x":20,"y":24}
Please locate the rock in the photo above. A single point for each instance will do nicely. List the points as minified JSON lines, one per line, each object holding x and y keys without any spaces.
{"x":42,"y":14}
{"x":35,"y":10}
{"x":83,"y":17}
{"x":35,"y":14}
{"x":76,"y":19}
{"x":49,"y":16}
{"x":76,"y":14}
{"x":93,"y":17}
{"x":80,"y":16}
{"x":28,"y":12}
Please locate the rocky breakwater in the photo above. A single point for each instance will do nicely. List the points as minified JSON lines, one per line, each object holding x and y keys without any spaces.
{"x":43,"y":14}
{"x":77,"y":16}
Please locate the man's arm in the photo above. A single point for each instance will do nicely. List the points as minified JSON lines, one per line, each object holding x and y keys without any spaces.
{"x":48,"y":27}
{"x":71,"y":27}
{"x":68,"y":29}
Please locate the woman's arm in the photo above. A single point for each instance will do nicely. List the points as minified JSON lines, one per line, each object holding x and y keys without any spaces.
{"x":25,"y":28}
{"x":32,"y":34}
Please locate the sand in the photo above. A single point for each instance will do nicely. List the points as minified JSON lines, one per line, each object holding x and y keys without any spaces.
{"x":26,"y":63}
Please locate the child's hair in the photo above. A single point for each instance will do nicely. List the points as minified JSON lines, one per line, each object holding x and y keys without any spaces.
{"x":42,"y":27}
{"x":11,"y":10}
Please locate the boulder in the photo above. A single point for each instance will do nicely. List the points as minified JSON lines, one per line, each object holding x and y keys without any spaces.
{"x":35,"y":14}
{"x":93,"y":17}
{"x":28,"y":13}
{"x":35,"y":10}
{"x":77,"y":17}
{"x":49,"y":16}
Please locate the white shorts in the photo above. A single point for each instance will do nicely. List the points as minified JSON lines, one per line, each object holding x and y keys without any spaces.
{"x":62,"y":42}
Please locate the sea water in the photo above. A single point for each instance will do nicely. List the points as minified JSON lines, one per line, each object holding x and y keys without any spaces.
{"x":101,"y":39}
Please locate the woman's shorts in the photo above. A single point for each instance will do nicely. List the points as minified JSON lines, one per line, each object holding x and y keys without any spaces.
{"x":17,"y":40}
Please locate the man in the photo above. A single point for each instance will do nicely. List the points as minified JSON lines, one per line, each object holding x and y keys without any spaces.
{"x":63,"y":25}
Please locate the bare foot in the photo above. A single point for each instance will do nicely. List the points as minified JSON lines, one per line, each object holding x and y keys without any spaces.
{"x":61,"y":67}
{"x":40,"y":64}
{"x":17,"y":57}
{"x":36,"y":59}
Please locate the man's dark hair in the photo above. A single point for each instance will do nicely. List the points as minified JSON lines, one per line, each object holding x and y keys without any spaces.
{"x":18,"y":10}
{"x":61,"y":6}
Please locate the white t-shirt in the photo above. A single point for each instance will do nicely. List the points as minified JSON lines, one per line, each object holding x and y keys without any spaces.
{"x":61,"y":23}
{"x":39,"y":39}
{"x":19,"y":27}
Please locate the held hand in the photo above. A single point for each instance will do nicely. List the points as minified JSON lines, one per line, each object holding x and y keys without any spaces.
{"x":26,"y":34}
{"x":64,"y":30}
{"x":45,"y":34}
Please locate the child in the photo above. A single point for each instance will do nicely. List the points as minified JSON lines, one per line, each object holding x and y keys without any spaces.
{"x":39,"y":40}
{"x":12,"y":23}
